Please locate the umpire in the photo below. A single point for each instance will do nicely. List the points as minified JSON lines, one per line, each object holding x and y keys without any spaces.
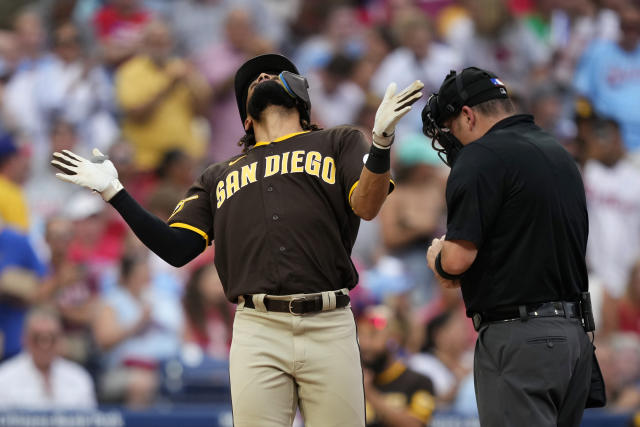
{"x":516,"y":239}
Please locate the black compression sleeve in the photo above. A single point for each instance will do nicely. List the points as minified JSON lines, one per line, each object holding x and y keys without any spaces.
{"x":176,"y":246}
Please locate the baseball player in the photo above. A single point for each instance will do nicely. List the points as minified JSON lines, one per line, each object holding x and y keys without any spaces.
{"x":284,"y":215}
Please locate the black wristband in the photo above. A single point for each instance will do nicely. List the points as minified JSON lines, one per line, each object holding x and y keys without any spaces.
{"x":441,"y":271}
{"x":378,"y":160}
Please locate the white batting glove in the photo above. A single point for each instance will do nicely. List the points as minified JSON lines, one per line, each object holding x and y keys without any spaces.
{"x":391,"y":109}
{"x":97,"y":174}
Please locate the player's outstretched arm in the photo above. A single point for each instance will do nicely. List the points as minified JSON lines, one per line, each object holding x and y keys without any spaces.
{"x":373,"y":187}
{"x":174,"y":245}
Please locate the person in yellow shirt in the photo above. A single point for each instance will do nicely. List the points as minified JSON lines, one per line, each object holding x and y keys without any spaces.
{"x":161,"y":97}
{"x":13,"y":172}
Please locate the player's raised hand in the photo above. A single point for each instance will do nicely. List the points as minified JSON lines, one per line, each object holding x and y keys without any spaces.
{"x":392,"y":108}
{"x":97,"y":174}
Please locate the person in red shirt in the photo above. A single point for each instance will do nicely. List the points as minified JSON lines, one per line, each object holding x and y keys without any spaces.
{"x":118,"y":25}
{"x":209,"y":316}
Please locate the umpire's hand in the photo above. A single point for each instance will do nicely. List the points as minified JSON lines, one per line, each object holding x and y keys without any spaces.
{"x":391,"y":110}
{"x":97,"y":174}
{"x":432,"y":253}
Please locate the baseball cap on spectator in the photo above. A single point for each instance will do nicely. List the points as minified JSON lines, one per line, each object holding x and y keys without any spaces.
{"x":387,"y":277}
{"x":83,"y":205}
{"x":415,"y":149}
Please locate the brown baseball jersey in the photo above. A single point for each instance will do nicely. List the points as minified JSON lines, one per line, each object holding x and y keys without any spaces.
{"x":405,"y":390}
{"x":280,"y":213}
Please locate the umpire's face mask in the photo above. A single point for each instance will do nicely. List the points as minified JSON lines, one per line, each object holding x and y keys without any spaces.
{"x":442,"y":140}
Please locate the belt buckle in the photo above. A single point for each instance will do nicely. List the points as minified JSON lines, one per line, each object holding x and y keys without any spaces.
{"x":291,"y":306}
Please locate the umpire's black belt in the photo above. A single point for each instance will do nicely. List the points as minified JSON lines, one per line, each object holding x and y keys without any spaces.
{"x":297,"y":306}
{"x":523,"y":312}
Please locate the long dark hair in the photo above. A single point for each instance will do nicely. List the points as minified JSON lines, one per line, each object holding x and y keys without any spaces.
{"x":194,"y":304}
{"x":433,"y":327}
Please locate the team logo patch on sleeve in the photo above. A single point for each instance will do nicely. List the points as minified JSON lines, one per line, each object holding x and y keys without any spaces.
{"x":180,"y":205}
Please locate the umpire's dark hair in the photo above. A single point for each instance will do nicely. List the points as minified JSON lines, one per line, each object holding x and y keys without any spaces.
{"x":495,"y":106}
{"x":433,"y":327}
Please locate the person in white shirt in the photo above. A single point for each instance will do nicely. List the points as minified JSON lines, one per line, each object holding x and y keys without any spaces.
{"x":613,"y":199}
{"x":419,"y":57}
{"x":38,"y":378}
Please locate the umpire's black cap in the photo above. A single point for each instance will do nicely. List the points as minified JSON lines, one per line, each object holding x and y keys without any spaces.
{"x":470,"y":87}
{"x":250,"y":70}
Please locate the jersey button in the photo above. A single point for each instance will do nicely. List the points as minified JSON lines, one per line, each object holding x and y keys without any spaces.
{"x":275,"y":217}
{"x":270,"y":188}
{"x":282,"y":248}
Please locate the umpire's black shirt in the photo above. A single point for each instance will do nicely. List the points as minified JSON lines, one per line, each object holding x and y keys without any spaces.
{"x":518,"y":196}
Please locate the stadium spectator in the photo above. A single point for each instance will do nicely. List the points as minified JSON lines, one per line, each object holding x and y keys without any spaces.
{"x":218,"y":63}
{"x":136,"y":328}
{"x":628,"y":310}
{"x":419,"y":57}
{"x":492,"y":38}
{"x":583,"y":22}
{"x":18,"y":98}
{"x":70,"y":289}
{"x":209,"y":316}
{"x":20,"y":275}
{"x":97,"y":242}
{"x":118,"y":25}
{"x":45,"y":196}
{"x":613,"y":205}
{"x":9,"y":58}
{"x":445,"y":356}
{"x":546,"y":103}
{"x":14,"y":171}
{"x":199,"y":24}
{"x":82,"y":94}
{"x":39,"y":378}
{"x":379,"y":42}
{"x":608,"y":75}
{"x":337,"y":99}
{"x":161,"y":97}
{"x":175,"y":172}
{"x":414,"y":213}
{"x":341,"y":35}
{"x":619,"y":357}
{"x":395,"y":394}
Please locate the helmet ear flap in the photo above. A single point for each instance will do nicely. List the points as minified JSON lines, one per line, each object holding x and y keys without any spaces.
{"x":297,"y":87}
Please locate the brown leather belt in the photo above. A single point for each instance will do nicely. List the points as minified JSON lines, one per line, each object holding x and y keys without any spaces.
{"x":297,"y":306}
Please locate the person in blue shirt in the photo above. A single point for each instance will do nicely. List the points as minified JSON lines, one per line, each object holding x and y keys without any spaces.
{"x":20,"y":272}
{"x":609,"y":76}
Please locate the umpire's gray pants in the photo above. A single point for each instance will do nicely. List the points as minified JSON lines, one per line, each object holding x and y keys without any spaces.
{"x":279,"y":362}
{"x":534,"y":373}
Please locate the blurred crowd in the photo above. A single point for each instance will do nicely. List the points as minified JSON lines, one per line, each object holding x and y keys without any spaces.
{"x":89,"y":316}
